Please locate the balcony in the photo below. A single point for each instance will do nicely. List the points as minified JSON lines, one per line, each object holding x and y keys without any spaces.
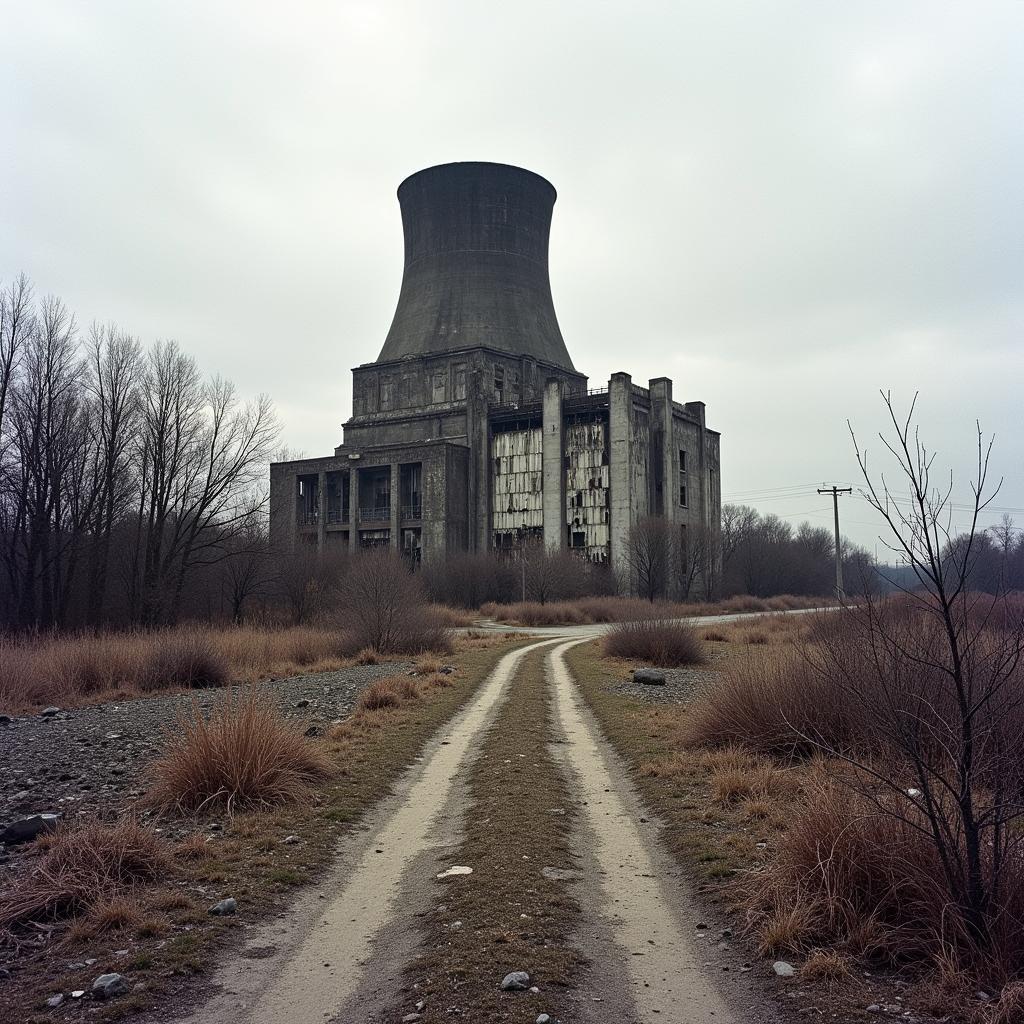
{"x":414,"y":511}
{"x":309,"y":517}
{"x":375,"y":514}
{"x":337,"y":516}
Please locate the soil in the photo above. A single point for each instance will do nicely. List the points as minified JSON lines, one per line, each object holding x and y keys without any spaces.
{"x":91,"y":762}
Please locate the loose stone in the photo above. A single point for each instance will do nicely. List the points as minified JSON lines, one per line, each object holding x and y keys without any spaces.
{"x":107,"y":986}
{"x":517,"y":981}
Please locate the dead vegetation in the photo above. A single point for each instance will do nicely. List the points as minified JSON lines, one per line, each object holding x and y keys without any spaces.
{"x":121,"y":885}
{"x":661,"y":642}
{"x":246,"y":754}
{"x":82,"y":867}
{"x":591,"y":610}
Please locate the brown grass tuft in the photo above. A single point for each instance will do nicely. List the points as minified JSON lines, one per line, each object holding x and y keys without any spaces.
{"x":82,"y":866}
{"x":777,"y":704}
{"x":661,"y":642}
{"x":109,"y":914}
{"x":382,"y":693}
{"x":247,"y":754}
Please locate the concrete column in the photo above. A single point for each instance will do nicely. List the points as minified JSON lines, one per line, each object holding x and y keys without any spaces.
{"x":396,"y":508}
{"x":620,"y":430}
{"x":353,"y":507}
{"x":661,"y":428}
{"x":321,"y":519}
{"x":478,"y":437}
{"x":553,"y":479}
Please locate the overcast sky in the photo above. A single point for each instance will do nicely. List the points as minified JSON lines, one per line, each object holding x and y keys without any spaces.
{"x":782,"y":206}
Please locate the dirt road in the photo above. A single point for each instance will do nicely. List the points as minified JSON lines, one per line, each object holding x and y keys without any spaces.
{"x":340,"y":952}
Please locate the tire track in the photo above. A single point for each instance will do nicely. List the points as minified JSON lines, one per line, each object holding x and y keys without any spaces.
{"x":327,"y":957}
{"x":627,"y":901}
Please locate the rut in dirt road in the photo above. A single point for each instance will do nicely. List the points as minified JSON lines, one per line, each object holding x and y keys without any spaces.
{"x":328,"y":955}
{"x":651,"y":927}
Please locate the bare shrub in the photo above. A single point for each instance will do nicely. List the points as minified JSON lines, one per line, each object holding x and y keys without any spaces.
{"x":82,"y":865}
{"x":665,"y":643}
{"x":383,"y":607}
{"x":246,"y":754}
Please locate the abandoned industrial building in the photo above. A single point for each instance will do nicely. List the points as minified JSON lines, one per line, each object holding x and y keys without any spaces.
{"x":472,"y":429}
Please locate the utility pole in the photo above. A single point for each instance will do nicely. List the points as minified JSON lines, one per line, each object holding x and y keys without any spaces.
{"x":835,"y":492}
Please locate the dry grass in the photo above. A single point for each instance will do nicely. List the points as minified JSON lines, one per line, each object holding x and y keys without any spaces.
{"x":776,"y":703}
{"x":246,"y":754}
{"x":81,"y":867}
{"x":866,"y":883}
{"x":667,"y":644}
{"x":393,"y":691}
{"x":589,"y":610}
{"x":826,"y":965}
{"x":69,"y":669}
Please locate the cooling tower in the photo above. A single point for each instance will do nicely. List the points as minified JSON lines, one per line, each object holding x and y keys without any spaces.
{"x":476,"y":264}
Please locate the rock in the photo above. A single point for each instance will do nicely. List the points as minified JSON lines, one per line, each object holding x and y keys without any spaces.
{"x":291,"y":840}
{"x":302,"y":703}
{"x":49,"y":712}
{"x":649,"y":677}
{"x":78,"y":993}
{"x":6,"y":720}
{"x":556,"y":810}
{"x":107,"y":986}
{"x":225,"y":907}
{"x":783,"y":970}
{"x":54,"y":1001}
{"x":313,"y":730}
{"x":23,"y":830}
{"x":561,"y":874}
{"x":543,"y":1018}
{"x":517,"y":981}
{"x":446,"y":670}
{"x":411,"y":1018}
{"x":874,"y":1008}
{"x":456,"y":869}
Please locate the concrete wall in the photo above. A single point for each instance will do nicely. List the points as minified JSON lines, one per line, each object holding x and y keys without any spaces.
{"x":573,"y":468}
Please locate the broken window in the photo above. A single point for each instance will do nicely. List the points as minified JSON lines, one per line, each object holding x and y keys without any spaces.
{"x":439,"y":386}
{"x":682,"y":477}
{"x":411,"y":477}
{"x":460,"y":382}
{"x":387,"y":394}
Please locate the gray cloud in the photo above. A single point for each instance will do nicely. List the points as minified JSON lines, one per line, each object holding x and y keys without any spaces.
{"x":783,"y":206}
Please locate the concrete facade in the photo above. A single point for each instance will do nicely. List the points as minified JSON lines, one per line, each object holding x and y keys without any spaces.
{"x":472,"y":430}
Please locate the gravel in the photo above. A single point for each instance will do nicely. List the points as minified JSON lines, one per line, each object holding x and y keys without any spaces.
{"x":91,"y":762}
{"x":678,"y":688}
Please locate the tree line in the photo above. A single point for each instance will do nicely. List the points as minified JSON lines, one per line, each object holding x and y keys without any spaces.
{"x":126,"y":478}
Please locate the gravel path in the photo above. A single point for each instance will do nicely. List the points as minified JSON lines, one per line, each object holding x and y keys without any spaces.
{"x":91,"y":762}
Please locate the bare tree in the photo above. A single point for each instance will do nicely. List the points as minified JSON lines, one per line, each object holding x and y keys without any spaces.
{"x":937,"y":675}
{"x":202,"y":454}
{"x":113,"y":384}
{"x":651,"y":552}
